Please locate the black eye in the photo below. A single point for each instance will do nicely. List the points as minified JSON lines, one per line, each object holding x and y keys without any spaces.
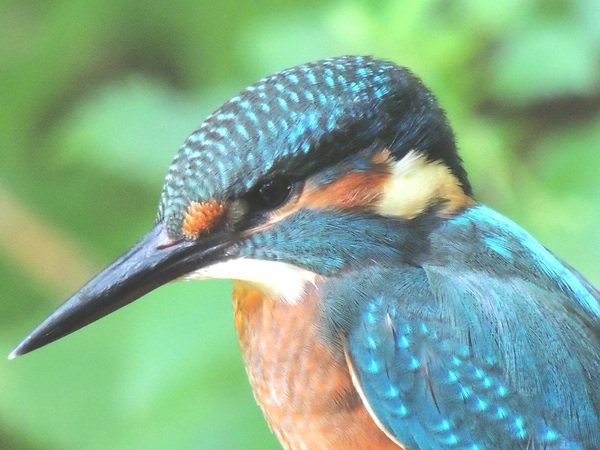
{"x":272,"y":193}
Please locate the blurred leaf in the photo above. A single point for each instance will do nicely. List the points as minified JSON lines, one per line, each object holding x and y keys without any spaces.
{"x":588,"y":15}
{"x":567,"y":216}
{"x":566,"y":152}
{"x":126,"y":126}
{"x":543,"y":61}
{"x":176,"y":356}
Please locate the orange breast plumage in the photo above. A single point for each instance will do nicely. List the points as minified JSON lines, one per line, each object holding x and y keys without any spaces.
{"x":302,"y":384}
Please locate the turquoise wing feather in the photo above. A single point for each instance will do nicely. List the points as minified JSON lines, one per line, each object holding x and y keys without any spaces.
{"x":491,"y":343}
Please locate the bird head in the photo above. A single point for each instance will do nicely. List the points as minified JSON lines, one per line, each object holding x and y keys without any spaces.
{"x":309,"y":173}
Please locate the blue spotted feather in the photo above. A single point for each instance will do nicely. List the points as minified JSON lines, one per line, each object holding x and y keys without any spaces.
{"x":331,"y":108}
{"x":491,"y":343}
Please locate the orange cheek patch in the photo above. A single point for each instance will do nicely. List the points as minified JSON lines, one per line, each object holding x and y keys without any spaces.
{"x":353,"y":190}
{"x":201,"y":217}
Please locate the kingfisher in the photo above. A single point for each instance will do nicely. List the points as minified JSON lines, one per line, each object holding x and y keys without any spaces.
{"x":377,"y":304}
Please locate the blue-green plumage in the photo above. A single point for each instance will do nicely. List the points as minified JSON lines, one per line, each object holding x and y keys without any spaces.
{"x":489,"y":343}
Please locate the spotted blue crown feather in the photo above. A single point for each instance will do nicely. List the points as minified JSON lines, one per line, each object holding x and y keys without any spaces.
{"x":300,"y":119}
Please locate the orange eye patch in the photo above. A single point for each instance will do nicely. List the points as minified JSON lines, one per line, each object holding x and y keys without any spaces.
{"x":353,"y":190}
{"x":201,"y":217}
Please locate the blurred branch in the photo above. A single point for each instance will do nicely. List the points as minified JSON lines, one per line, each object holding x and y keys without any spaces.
{"x":50,"y":257}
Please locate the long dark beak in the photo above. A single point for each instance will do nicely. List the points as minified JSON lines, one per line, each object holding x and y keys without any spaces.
{"x":152,"y":262}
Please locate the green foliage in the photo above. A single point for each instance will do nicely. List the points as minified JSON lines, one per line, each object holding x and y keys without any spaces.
{"x":96,"y":97}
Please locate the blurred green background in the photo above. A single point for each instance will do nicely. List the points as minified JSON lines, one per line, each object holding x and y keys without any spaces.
{"x":96,"y":97}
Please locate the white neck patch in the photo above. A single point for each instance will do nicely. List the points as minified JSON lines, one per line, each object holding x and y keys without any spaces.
{"x":286,"y":281}
{"x":414,"y":183}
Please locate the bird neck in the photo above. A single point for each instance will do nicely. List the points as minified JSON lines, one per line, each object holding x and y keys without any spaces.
{"x":299,"y":379}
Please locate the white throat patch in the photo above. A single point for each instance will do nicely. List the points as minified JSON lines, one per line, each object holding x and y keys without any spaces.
{"x":286,"y":281}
